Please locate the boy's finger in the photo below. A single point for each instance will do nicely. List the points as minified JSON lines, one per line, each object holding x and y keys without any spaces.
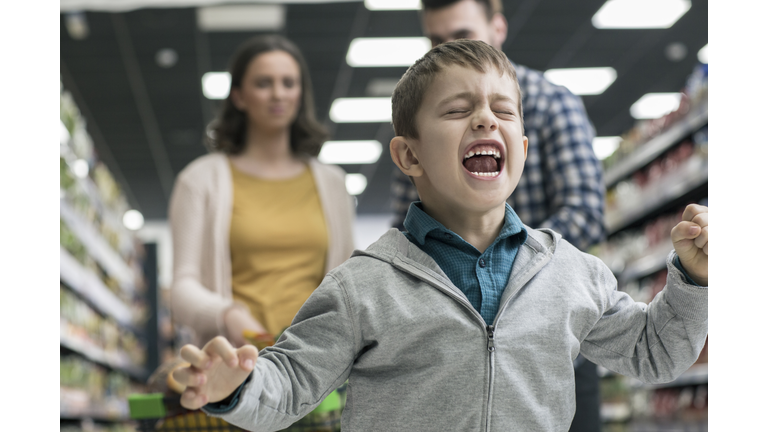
{"x":193,"y":400}
{"x":685,"y":231}
{"x":703,"y":238}
{"x":195,"y":356}
{"x":701,"y":219}
{"x":188,"y":377}
{"x":691,"y":210}
{"x":221,"y":347}
{"x":247,"y":355}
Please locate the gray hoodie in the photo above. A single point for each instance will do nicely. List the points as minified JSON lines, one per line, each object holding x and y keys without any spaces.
{"x":419,"y":357}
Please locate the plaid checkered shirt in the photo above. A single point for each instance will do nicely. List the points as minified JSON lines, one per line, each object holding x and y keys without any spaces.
{"x":562,"y":183}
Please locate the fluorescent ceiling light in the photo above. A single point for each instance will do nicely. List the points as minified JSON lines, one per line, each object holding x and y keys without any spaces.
{"x":350,"y":152}
{"x":605,"y":146}
{"x":361,"y":110}
{"x":704,"y":54}
{"x":133,"y":220}
{"x":635,"y":14}
{"x":261,"y":17}
{"x":583,"y":81}
{"x":216,"y":85}
{"x":393,"y":4}
{"x":355,"y":183}
{"x":386,"y":52}
{"x":654,"y":105}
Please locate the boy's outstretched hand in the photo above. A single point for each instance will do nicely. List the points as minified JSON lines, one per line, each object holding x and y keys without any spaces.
{"x":214,"y":372}
{"x":690,"y":238}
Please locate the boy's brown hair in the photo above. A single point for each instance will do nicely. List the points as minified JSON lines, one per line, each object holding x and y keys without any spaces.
{"x":409,"y":91}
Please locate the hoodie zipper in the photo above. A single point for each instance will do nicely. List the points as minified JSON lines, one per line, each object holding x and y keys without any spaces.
{"x":491,"y":353}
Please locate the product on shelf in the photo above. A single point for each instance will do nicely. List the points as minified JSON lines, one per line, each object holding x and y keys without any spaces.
{"x":85,"y":328}
{"x":693,"y":100}
{"x":676,"y":165}
{"x":103,"y":358}
{"x":90,"y":390}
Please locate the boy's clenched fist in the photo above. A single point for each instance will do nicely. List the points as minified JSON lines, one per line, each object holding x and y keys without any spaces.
{"x":690,"y":238}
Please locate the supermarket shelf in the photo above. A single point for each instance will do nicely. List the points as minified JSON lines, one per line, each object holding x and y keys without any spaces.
{"x":654,"y":260}
{"x":98,"y":248}
{"x":667,"y":426}
{"x":656,"y":146}
{"x":691,"y":175}
{"x":696,"y":375}
{"x":98,"y":355}
{"x":615,"y":412}
{"x":88,"y":285}
{"x":94,"y":415}
{"x":77,"y":404}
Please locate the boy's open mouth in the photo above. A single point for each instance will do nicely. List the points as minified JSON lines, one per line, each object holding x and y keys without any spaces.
{"x":484,"y":159}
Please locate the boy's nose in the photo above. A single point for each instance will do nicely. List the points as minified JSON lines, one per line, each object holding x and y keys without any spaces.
{"x":485,"y":120}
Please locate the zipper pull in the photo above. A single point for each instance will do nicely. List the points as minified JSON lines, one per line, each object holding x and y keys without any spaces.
{"x":489,"y":329}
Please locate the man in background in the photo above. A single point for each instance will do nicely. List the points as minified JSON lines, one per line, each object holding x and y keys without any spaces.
{"x":562,"y":184}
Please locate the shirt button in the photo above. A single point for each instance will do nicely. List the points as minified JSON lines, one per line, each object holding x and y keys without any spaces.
{"x":482,"y":263}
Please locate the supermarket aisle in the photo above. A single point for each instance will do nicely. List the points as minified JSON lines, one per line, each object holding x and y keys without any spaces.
{"x":659,"y":167}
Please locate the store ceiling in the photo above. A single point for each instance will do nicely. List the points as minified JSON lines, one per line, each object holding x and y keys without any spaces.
{"x":147,"y":121}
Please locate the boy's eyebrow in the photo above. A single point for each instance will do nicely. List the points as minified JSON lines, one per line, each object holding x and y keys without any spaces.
{"x":463,"y":95}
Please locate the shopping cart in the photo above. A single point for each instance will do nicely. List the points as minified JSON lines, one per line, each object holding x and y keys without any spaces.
{"x":158,"y":412}
{"x":161,"y":410}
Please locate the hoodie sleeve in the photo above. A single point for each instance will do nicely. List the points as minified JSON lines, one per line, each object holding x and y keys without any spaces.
{"x":312,"y":358}
{"x":656,"y":342}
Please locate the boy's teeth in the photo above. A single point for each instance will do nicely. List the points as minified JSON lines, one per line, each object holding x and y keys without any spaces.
{"x":495,"y":153}
{"x":486,"y":174}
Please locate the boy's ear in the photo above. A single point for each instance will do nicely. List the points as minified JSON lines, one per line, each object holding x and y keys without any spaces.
{"x":401,"y":150}
{"x":525,"y":146}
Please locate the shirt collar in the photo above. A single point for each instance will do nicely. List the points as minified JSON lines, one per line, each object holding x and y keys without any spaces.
{"x":419,"y":224}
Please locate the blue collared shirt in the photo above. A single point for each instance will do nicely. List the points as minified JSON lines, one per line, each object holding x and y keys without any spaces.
{"x":482,"y":277}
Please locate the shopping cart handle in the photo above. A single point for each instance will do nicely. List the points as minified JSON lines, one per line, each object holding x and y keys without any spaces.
{"x":146,"y":406}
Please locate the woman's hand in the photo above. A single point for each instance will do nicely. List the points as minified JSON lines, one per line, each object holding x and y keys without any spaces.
{"x":215,"y":372}
{"x":236,"y":320}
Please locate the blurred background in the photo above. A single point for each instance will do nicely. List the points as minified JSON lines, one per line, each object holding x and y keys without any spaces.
{"x":141,"y":80}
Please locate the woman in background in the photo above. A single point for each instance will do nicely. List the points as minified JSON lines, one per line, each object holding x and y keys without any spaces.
{"x":258,"y":222}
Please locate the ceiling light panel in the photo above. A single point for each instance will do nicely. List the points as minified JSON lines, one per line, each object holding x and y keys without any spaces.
{"x":583,"y":81}
{"x":654,"y":105}
{"x":350,"y":152}
{"x":392,"y":4}
{"x":216,"y":85}
{"x":261,"y":17}
{"x":386,"y":52}
{"x":361,"y":110}
{"x":355,"y":183}
{"x":638,"y":14}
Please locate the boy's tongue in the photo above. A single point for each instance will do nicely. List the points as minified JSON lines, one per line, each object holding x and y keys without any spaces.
{"x":481,"y":164}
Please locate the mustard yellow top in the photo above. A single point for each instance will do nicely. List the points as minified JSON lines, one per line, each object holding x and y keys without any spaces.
{"x":278,"y":242}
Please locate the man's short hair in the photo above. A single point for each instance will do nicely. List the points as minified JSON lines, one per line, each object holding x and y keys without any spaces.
{"x":410,"y":90}
{"x":491,"y":7}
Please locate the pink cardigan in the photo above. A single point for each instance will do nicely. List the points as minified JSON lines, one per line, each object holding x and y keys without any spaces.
{"x":200,"y":212}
